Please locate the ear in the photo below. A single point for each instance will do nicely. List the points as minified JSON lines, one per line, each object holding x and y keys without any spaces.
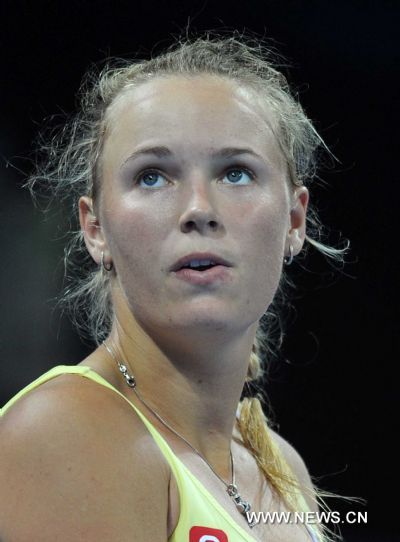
{"x":92,"y":231}
{"x":298,"y":213}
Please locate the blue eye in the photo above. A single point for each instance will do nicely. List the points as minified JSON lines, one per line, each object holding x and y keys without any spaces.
{"x":149,"y":179}
{"x":238,"y":176}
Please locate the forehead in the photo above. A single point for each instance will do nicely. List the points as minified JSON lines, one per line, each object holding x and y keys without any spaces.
{"x":205,"y":111}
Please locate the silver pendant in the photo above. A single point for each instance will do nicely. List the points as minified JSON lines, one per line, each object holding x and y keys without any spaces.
{"x":242,"y":506}
{"x":130,"y":380}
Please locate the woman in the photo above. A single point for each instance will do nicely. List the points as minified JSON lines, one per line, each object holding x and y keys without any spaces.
{"x":187,"y":172}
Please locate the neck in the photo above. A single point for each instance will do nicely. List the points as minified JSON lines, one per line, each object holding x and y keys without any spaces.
{"x":197,"y":388}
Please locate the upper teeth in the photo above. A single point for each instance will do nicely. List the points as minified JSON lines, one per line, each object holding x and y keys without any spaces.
{"x":198,"y":263}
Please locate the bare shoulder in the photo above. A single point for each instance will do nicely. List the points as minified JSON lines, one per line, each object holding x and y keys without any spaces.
{"x":77,"y":464}
{"x":297,"y":465}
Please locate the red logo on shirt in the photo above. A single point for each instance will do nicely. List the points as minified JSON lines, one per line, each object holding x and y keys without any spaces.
{"x":206,"y":534}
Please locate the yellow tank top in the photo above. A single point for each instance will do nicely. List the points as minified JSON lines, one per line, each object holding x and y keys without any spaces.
{"x":202,"y":518}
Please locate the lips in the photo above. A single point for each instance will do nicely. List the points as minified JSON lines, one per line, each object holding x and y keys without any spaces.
{"x":185,"y":260}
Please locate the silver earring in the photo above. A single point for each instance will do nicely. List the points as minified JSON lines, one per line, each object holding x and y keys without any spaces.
{"x":288,"y":261}
{"x":107,"y":268}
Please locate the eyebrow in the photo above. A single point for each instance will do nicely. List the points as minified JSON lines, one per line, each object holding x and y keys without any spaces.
{"x":164,"y":152}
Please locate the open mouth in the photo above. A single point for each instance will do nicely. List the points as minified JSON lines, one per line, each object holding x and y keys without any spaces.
{"x":204,"y":273}
{"x":199,"y":267}
{"x":200,"y":263}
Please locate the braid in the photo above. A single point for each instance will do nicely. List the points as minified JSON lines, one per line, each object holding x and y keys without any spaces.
{"x":258,"y":438}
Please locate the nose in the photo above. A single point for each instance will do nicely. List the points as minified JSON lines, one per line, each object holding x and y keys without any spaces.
{"x":199,"y":211}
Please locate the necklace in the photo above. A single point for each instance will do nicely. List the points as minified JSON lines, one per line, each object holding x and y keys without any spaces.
{"x":241,"y":505}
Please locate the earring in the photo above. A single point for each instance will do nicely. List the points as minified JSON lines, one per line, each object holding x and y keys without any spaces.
{"x":288,"y":261}
{"x":107,"y":268}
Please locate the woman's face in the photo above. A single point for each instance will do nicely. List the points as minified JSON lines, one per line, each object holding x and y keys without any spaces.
{"x":194,"y":196}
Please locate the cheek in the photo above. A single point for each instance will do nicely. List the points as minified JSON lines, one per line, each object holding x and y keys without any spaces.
{"x":262,"y":225}
{"x":135,"y":235}
{"x":260,"y":232}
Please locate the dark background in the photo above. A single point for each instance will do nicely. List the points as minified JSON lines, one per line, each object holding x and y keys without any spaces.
{"x":335,"y":400}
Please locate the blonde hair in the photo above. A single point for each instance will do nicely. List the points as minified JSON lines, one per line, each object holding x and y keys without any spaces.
{"x":68,"y":167}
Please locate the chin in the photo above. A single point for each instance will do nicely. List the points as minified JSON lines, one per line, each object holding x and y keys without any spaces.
{"x":210,"y":320}
{"x":197,"y":316}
